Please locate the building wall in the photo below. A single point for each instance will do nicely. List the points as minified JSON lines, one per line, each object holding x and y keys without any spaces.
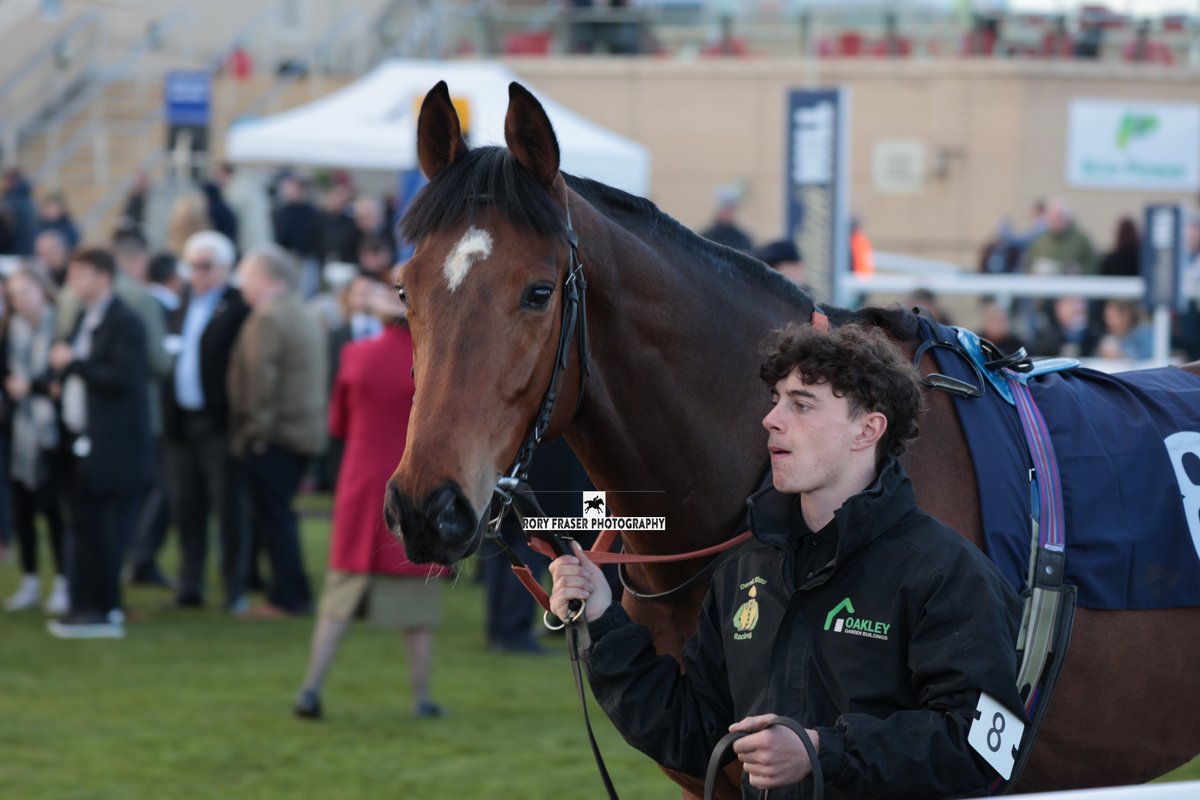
{"x":993,"y":133}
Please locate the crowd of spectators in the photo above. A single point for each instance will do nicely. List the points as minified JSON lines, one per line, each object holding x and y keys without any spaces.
{"x":189,"y":384}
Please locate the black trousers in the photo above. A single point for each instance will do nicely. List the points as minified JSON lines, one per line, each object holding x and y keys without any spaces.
{"x":152,"y":516}
{"x":27,"y":504}
{"x":272,"y":478}
{"x":93,"y":543}
{"x":510,"y":606}
{"x":205,"y":479}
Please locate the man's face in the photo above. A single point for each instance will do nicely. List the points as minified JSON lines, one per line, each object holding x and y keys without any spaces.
{"x":810,"y":435}
{"x":207,"y":272}
{"x":50,"y":251}
{"x":86,"y":282}
{"x":255,"y":283}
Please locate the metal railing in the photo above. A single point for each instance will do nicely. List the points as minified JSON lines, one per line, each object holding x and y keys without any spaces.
{"x":48,"y":77}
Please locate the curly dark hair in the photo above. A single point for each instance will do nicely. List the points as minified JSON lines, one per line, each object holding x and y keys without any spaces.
{"x":858,"y":363}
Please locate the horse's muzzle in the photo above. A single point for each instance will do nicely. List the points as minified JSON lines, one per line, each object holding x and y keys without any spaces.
{"x":442,"y":528}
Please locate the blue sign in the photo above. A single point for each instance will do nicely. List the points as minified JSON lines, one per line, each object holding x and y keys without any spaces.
{"x":187,"y":96}
{"x":816,"y":189}
{"x":1164,"y":255}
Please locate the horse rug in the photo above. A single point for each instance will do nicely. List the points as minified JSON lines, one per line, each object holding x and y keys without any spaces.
{"x":1128,"y":453}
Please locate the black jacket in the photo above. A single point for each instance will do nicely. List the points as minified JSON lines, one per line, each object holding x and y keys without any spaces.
{"x":890,"y":685}
{"x":216,"y":344}
{"x":118,"y":413}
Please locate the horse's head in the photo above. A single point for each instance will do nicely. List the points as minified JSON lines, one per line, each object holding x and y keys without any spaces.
{"x":485,"y":292}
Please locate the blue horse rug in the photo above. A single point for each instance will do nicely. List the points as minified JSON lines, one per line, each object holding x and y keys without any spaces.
{"x":1128,"y":452}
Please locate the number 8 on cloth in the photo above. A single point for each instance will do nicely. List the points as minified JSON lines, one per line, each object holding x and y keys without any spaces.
{"x":995,"y":734}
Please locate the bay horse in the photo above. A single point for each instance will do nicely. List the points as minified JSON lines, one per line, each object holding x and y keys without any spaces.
{"x":672,"y":408}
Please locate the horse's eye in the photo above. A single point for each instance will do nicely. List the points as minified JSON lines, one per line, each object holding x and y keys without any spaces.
{"x":402,"y":294}
{"x":537,"y":297}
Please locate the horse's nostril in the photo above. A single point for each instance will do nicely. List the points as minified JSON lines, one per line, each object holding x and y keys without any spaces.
{"x":452,"y":516}
{"x":395,"y":509}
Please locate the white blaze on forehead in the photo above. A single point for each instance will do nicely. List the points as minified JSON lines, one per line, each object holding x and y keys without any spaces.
{"x":475,"y":245}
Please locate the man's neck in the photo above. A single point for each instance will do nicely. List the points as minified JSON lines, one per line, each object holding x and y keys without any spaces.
{"x":819,"y":506}
{"x":99,"y":300}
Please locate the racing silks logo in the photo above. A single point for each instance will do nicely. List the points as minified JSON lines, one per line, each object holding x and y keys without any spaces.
{"x":746,"y":617}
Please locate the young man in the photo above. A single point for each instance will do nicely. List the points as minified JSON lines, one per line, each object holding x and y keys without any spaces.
{"x":105,"y":413}
{"x":850,"y":611}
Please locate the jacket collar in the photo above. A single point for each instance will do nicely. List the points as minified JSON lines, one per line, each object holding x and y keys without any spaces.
{"x":862,"y":519}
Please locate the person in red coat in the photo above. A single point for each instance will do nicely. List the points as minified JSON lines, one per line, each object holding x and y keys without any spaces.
{"x":372,"y":398}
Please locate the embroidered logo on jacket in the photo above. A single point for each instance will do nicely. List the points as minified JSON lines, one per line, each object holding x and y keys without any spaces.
{"x":855,"y":626}
{"x":746,"y":617}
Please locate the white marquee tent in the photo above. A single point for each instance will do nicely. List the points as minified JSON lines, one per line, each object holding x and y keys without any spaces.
{"x":371,"y":125}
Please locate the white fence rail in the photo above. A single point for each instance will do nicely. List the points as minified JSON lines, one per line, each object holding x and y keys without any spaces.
{"x":1187,"y":790}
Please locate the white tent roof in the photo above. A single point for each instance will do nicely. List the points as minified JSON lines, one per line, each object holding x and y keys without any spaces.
{"x":371,"y":124}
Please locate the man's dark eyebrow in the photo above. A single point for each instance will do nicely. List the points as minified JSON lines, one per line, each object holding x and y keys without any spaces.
{"x":801,"y":393}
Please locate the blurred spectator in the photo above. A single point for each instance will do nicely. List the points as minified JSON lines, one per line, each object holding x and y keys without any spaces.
{"x":370,"y":222}
{"x":923,"y":298}
{"x":104,"y":414}
{"x":296,"y":219}
{"x":725,"y":229}
{"x":163,"y":282}
{"x":1038,"y":223}
{"x":53,"y":215}
{"x":51,"y":253}
{"x":356,"y":322}
{"x":1126,"y":255}
{"x":1002,"y":254}
{"x":1070,"y":333}
{"x":1064,"y":249}
{"x":376,"y":256}
{"x":984,"y":36}
{"x":248,"y":200}
{"x":148,"y":516}
{"x":784,"y":257}
{"x":277,"y":385}
{"x":223,"y":220}
{"x":1057,"y":43}
{"x":862,"y":254}
{"x":335,"y":231}
{"x":996,"y":326}
{"x":1127,"y":333}
{"x":203,"y":476}
{"x":20,"y":209}
{"x":372,"y":399}
{"x":33,"y":465}
{"x":1143,"y":50}
{"x":188,"y":216}
{"x":134,"y":213}
{"x":1189,"y":321}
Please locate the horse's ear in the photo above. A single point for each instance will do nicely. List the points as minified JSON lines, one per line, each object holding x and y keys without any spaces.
{"x":529,"y":134}
{"x":439,"y":136}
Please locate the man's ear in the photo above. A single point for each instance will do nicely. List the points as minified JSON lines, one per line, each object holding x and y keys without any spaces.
{"x":872,"y":426}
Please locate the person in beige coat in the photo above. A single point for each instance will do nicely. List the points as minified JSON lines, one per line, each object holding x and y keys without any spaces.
{"x":277,"y":395}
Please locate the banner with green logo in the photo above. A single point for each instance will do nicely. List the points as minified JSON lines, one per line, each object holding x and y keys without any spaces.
{"x":1118,"y":144}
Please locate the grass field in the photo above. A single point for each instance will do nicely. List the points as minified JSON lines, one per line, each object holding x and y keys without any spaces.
{"x":197,"y":705}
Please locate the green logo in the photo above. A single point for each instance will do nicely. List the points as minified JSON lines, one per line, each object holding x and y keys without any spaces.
{"x":1135,"y":126}
{"x":845,"y":605}
{"x":855,"y":626}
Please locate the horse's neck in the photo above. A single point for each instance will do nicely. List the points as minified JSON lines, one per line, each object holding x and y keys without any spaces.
{"x":671,"y":422}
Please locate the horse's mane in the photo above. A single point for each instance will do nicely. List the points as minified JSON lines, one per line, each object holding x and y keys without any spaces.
{"x":641,"y":215}
{"x":896,"y":321}
{"x":490,"y":177}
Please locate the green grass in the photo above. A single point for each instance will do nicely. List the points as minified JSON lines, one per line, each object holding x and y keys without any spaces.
{"x":197,"y":705}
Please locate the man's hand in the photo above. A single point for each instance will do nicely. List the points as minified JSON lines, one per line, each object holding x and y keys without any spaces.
{"x":61,"y":356}
{"x":772,"y":756}
{"x":577,"y":578}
